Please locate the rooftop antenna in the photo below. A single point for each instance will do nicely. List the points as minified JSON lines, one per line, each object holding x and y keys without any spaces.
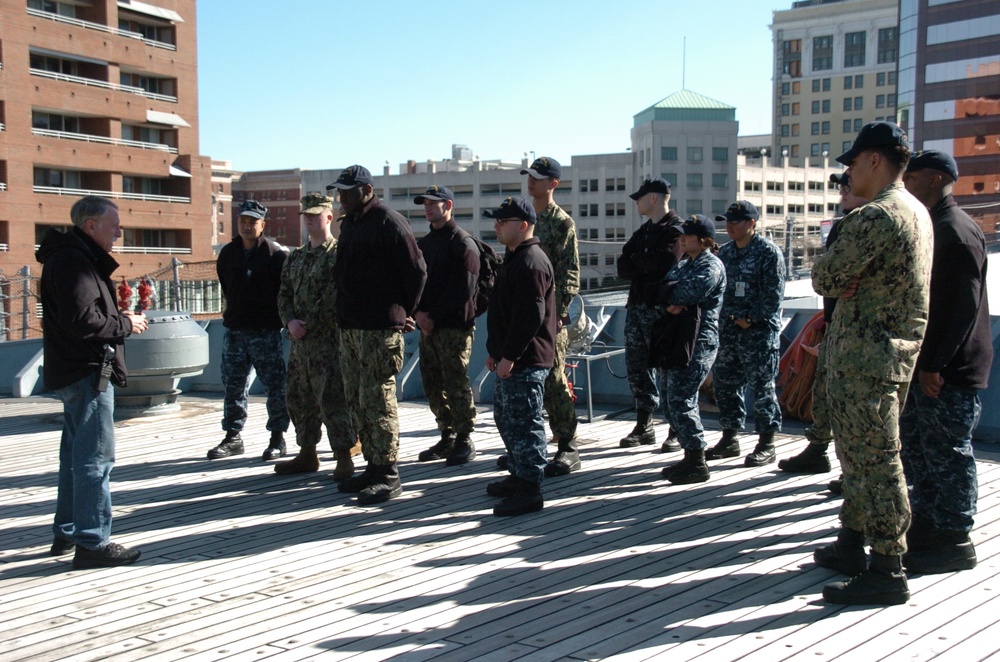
{"x":684,"y":56}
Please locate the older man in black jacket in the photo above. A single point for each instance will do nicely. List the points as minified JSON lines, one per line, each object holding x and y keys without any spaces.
{"x":84,"y":355}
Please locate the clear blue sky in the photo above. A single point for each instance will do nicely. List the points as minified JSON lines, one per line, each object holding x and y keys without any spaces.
{"x":327,"y":83}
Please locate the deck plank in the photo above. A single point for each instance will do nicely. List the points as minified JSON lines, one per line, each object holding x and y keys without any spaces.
{"x":239,"y":562}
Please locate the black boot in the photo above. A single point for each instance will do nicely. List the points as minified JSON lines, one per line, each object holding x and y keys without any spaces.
{"x":463,"y":452}
{"x":671,"y":445}
{"x":812,"y":460}
{"x":275,"y":448}
{"x":385,"y":485}
{"x":883,"y":583}
{"x":504,"y":488}
{"x":836,"y":486}
{"x":503,"y":463}
{"x":846,"y":554}
{"x":358,"y":482}
{"x":921,"y":535}
{"x":728,"y":446}
{"x":566,"y":461}
{"x":763,"y":453}
{"x":950,"y":551}
{"x":526,"y":499}
{"x":440,"y":450}
{"x":692,"y":469}
{"x":642,"y":434}
{"x":231,"y":445}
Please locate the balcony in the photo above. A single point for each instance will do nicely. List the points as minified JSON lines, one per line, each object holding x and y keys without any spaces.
{"x":117,"y":195}
{"x":86,"y":137}
{"x":93,"y":82}
{"x":38,"y":13}
{"x":152,"y":250}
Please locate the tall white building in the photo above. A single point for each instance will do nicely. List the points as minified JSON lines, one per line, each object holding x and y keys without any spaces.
{"x":834,"y":71}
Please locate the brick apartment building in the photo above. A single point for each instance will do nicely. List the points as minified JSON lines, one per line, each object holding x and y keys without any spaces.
{"x":100,"y":97}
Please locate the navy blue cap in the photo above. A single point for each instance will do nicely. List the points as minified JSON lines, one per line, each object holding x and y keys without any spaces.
{"x":935,"y":160}
{"x":657,"y":185}
{"x":435,"y":194}
{"x":544,"y":166}
{"x":352,"y":177}
{"x":741,"y":210}
{"x":699,"y":226}
{"x":513,"y":207}
{"x":253,"y":209}
{"x":841,"y":179}
{"x":875,"y":134}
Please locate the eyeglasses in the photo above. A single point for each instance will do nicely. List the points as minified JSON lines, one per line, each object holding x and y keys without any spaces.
{"x":501,"y":221}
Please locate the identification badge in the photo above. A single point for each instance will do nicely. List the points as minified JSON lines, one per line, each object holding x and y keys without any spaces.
{"x":741,"y":288}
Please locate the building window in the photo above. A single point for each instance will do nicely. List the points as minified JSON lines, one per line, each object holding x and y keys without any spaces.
{"x":694,"y":180}
{"x":854,"y":49}
{"x":880,"y":79}
{"x":815,"y":84}
{"x":54,"y":122}
{"x":694,"y":153}
{"x":796,"y":186}
{"x":847,"y":126}
{"x":848,"y":82}
{"x":795,"y":108}
{"x":880,"y":101}
{"x":815,"y":107}
{"x":826,"y":105}
{"x":814,"y":129}
{"x":720,"y":181}
{"x":694,"y":207}
{"x":668,"y":153}
{"x":846,"y":145}
{"x":857,"y":123}
{"x":719,"y":206}
{"x":784,"y":130}
{"x":815,"y":208}
{"x":775,"y":186}
{"x":890,"y":100}
{"x":826,"y":84}
{"x":823,"y":53}
{"x":796,"y":87}
{"x":892,"y":78}
{"x":888,"y":45}
{"x":57,"y":178}
{"x":859,"y":81}
{"x":670,"y":177}
{"x":753,"y":187}
{"x":795,"y":130}
{"x":791,"y":56}
{"x":825,"y":128}
{"x":847,"y":103}
{"x":785,"y":108}
{"x":858,"y":103}
{"x":775,"y":210}
{"x":720,"y":153}
{"x":824,"y":148}
{"x":814,"y":149}
{"x":795,"y":151}
{"x":786,"y":89}
{"x":796,"y":209}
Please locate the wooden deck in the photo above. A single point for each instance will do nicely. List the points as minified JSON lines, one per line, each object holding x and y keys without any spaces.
{"x":241,"y":564}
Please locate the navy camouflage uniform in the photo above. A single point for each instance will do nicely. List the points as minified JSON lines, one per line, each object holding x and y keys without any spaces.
{"x":700,"y":282}
{"x":871,"y":351}
{"x":250,"y":282}
{"x":315,"y":393}
{"x":646,"y":258}
{"x":936,"y":433}
{"x":556,"y":233}
{"x":755,"y":286}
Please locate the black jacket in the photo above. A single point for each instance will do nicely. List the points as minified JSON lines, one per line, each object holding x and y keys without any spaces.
{"x":380,"y":272}
{"x":522,"y":314}
{"x":958,"y":342}
{"x":452,"y":259}
{"x":648,"y":255}
{"x":250,"y":282}
{"x":80,"y":312}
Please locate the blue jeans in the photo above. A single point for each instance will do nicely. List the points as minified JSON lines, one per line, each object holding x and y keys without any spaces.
{"x":86,"y":457}
{"x":517,"y":411}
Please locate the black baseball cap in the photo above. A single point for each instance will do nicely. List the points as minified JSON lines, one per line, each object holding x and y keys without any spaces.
{"x":699,"y":226}
{"x":253,"y":209}
{"x":434,"y":194}
{"x":544,"y":166}
{"x":875,"y":134}
{"x":935,"y":160}
{"x":652,"y":185}
{"x":513,"y":207}
{"x":352,"y":178}
{"x":741,"y":210}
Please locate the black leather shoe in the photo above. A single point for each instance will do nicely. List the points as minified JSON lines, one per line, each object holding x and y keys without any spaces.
{"x":109,"y":556}
{"x":521,"y":503}
{"x":812,"y":460}
{"x":944,"y":556}
{"x":836,"y":486}
{"x":509,"y":486}
{"x":463,"y":452}
{"x":728,"y":446}
{"x":231,"y":445}
{"x":274,"y":451}
{"x":503,"y":462}
{"x":440,"y":450}
{"x":385,"y":485}
{"x":846,"y":554}
{"x":61,"y":546}
{"x":564,"y":463}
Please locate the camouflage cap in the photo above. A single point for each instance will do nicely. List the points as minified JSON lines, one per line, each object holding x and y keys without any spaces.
{"x":315,"y":203}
